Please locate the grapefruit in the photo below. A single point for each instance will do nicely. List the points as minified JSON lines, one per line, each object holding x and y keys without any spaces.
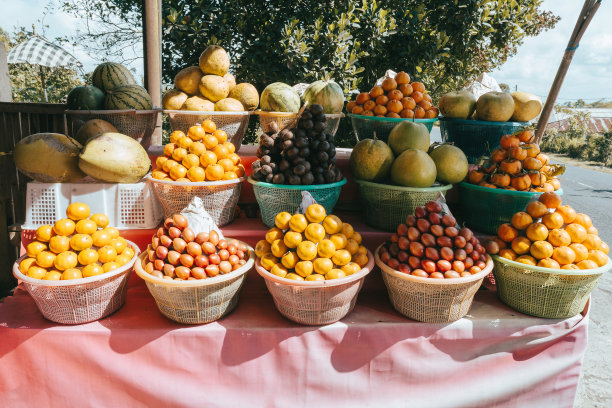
{"x":413,"y":168}
{"x":451,"y":164}
{"x":495,"y":107}
{"x":371,"y":160}
{"x":408,"y":135}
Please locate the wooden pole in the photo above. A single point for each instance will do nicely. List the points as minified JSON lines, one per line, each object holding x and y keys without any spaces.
{"x":588,"y":11}
{"x":6,"y":94}
{"x":42,"y":80}
{"x":152,"y":58}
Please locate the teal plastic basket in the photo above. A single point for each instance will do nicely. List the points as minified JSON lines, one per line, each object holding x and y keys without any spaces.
{"x":275,"y":198}
{"x":366,"y":126}
{"x":476,"y":137}
{"x":483,"y":209}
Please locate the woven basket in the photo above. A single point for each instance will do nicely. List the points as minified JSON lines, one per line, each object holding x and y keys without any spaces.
{"x":431,"y":300}
{"x":545,"y":292}
{"x":196,"y":301}
{"x":137,"y":124}
{"x":283,"y":119}
{"x":366,"y":127}
{"x":79,"y":301}
{"x":386,"y":206}
{"x":275,"y":198}
{"x":317,"y":302}
{"x":220,"y":197}
{"x":484,"y":209}
{"x":234,"y":124}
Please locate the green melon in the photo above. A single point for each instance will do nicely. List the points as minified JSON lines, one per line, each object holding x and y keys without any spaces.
{"x":128,"y":97}
{"x":109,"y":75}
{"x":325,"y":93}
{"x":280,"y":97}
{"x":85,"y":97}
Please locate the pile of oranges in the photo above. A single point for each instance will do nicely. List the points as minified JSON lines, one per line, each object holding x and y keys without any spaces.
{"x":518,"y":165}
{"x":550,"y":235}
{"x":204,"y":154}
{"x":313,"y":246}
{"x":76,"y":247}
{"x":395,"y":98}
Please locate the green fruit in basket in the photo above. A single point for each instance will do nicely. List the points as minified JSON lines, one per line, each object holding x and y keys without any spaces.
{"x":413,"y":168}
{"x":325,"y":93}
{"x":197,"y":103}
{"x":114,"y":158}
{"x":48,"y":158}
{"x":110,"y":75}
{"x":128,"y":97}
{"x":247,"y":94}
{"x":174,"y":99}
{"x":214,"y":60}
{"x":495,"y":107}
{"x":85,"y":97}
{"x":214,"y":87}
{"x":188,"y":80}
{"x":371,"y":160}
{"x":457,"y":104}
{"x":93,"y":128}
{"x":408,"y":135}
{"x":526,"y":106}
{"x":229,"y":105}
{"x":280,"y":97}
{"x":451,"y":164}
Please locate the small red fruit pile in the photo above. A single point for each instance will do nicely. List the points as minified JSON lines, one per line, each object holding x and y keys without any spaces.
{"x":176,"y":252}
{"x":430,"y":245}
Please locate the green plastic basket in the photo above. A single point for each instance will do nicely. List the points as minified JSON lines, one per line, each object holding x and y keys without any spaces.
{"x":483,"y":208}
{"x":476,"y":137}
{"x":275,"y":198}
{"x":366,"y":126}
{"x":545,"y":292}
{"x":387,"y":206}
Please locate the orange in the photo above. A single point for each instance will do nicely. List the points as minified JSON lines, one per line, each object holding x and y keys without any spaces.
{"x":214,"y":172}
{"x":351,"y":268}
{"x":273,"y":234}
{"x":110,"y":266}
{"x":323,"y":265}
{"x":604,"y":247}
{"x":35,"y":247}
{"x":332,"y":224}
{"x":221,"y":151}
{"x":107,"y":253}
{"x":314,"y":232}
{"x":230,"y":147}
{"x":25,"y":264}
{"x":298,"y":223}
{"x":209,"y":126}
{"x":227,"y":164}
{"x":92,"y":270}
{"x":220,"y":135}
{"x":77,"y":211}
{"x":169,"y":149}
{"x":159,"y":175}
{"x":195,"y":132}
{"x":418,"y":86}
{"x":307,"y":250}
{"x":79,"y":242}
{"x":86,"y":227}
{"x":520,"y":245}
{"x":580,"y":251}
{"x":184,"y":143}
{"x":593,"y":230}
{"x":53,"y":275}
{"x":564,"y":255}
{"x":570,"y":267}
{"x":191,"y":160}
{"x":234,"y":158}
{"x":592,"y":242}
{"x":599,"y":257}
{"x":521,"y":220}
{"x":208,"y":158}
{"x":303,"y":268}
{"x":177,"y":172}
{"x":553,"y":220}
{"x":341,"y":257}
{"x":357,"y":237}
{"x":239,"y":170}
{"x":360,"y":259}
{"x":335,"y":274}
{"x":550,"y":199}
{"x":114,"y":232}
{"x":36,"y":272}
{"x":567,"y":212}
{"x":541,"y":249}
{"x":576,"y":232}
{"x":279,"y":270}
{"x":197,"y":148}
{"x":292,"y":239}
{"x":352,"y":246}
{"x":45,"y":259}
{"x":389,"y":84}
{"x":282,"y":220}
{"x":549,"y":263}
{"x":290,"y":259}
{"x":66,"y":260}
{"x":129,"y":251}
{"x":59,"y":243}
{"x":294,"y":276}
{"x":536,"y":209}
{"x":558,"y":237}
{"x":101,"y":238}
{"x":315,"y":213}
{"x":176,"y":135}
{"x":326,"y":248}
{"x":168,"y":165}
{"x":339,"y":240}
{"x":119,"y":244}
{"x":229,"y":175}
{"x":262,"y":248}
{"x":278,"y":248}
{"x":537,"y":232}
{"x":88,"y":256}
{"x":210,"y":141}
{"x":507,"y":232}
{"x":64,"y":227}
{"x":347,"y":230}
{"x":44,"y":233}
{"x":179,"y":154}
{"x":315,"y":277}
{"x":584,"y":220}
{"x":587,"y":264}
{"x":196,"y":174}
{"x":71,"y":273}
{"x":268,"y":261}
{"x":527,"y":260}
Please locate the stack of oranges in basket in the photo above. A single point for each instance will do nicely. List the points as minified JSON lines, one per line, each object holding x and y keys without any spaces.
{"x":203,"y":154}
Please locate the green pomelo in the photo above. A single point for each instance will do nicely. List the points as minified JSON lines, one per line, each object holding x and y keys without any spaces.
{"x":371,"y":160}
{"x":451,"y":164}
{"x":408,"y":135}
{"x":413,"y":168}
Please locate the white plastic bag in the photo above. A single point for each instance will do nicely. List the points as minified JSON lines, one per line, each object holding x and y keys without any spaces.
{"x":483,"y":84}
{"x":199,"y":219}
{"x":307,"y":200}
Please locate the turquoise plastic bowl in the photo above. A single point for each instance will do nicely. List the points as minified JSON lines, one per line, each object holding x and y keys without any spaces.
{"x":366,"y":127}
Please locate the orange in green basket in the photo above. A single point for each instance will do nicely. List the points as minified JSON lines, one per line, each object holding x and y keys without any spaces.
{"x":314,"y":232}
{"x":580,"y":251}
{"x":550,"y":199}
{"x":298,"y":222}
{"x":44,"y":233}
{"x":508,"y":254}
{"x":527,"y":260}
{"x":92,"y":270}
{"x":599,"y":257}
{"x":58,"y":244}
{"x":592,"y":242}
{"x":541,"y":249}
{"x":326,"y":248}
{"x":315,"y":213}
{"x":558,"y":237}
{"x":290,"y":259}
{"x":292,"y":239}
{"x":521,"y":220}
{"x":520,"y":245}
{"x":66,"y":260}
{"x":303,"y":268}
{"x":507,"y":232}
{"x":604,"y":248}
{"x":576,"y":232}
{"x":307,"y":250}
{"x":564,"y":255}
{"x":548,"y":263}
{"x":567,"y":212}
{"x":552,"y":220}
{"x":536,"y":209}
{"x":586,"y":264}
{"x":537,"y":232}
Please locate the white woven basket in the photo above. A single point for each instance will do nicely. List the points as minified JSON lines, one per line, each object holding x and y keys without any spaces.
{"x":283,"y":119}
{"x":431,"y":300}
{"x":137,"y":124}
{"x":315,"y":302}
{"x":196,"y":301}
{"x":78,"y":301}
{"x":234,"y":124}
{"x":220,"y":197}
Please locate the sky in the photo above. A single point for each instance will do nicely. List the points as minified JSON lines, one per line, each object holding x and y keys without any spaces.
{"x":532,"y":69}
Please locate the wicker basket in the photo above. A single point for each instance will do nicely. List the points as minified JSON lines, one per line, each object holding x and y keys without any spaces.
{"x":545,"y":292}
{"x":234,"y":124}
{"x":80,"y":300}
{"x":483,"y":208}
{"x":431,"y":300}
{"x":196,"y":301}
{"x":386,"y":206}
{"x":275,"y":198}
{"x":220,"y":197}
{"x":366,"y":127}
{"x":137,"y":124}
{"x":317,"y":302}
{"x":283,"y":119}
{"x":476,"y":137}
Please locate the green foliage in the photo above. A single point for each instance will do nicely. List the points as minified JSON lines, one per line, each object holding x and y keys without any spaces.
{"x":25,"y":79}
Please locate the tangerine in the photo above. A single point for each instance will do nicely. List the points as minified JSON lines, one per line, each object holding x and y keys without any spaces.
{"x":262,"y":248}
{"x":273,"y":234}
{"x":53,"y":275}
{"x":294,"y":276}
{"x":332,"y":224}
{"x":537,"y":209}
{"x":64,"y":227}
{"x":537,"y":232}
{"x":315,"y":277}
{"x":298,"y":223}
{"x":88,"y":256}
{"x":580,"y":251}
{"x":323,"y":265}
{"x":209,"y":126}
{"x":279,"y":270}
{"x":583,"y":220}
{"x":315,"y":213}
{"x":71,"y":273}
{"x":278,"y":248}
{"x":388,"y":84}
{"x":195,"y":133}
{"x":210,"y":141}
{"x":604,"y":247}
{"x":77,"y":211}
{"x":360,"y":259}
{"x":527,"y":260}
{"x":45,"y":259}
{"x":36,"y":272}
{"x":326,"y":248}
{"x":44,"y":233}
{"x":92,"y":270}
{"x":564,"y":255}
{"x":570,"y":267}
{"x":576,"y":232}
{"x":550,"y":199}
{"x":521,"y":220}
{"x":567,"y":212}
{"x":303,"y":268}
{"x":282,"y":220}
{"x":559,"y":237}
{"x":66,"y":260}
{"x":59,"y":243}
{"x":177,"y":172}
{"x":110,"y":266}
{"x":25,"y":264}
{"x":191,"y":160}
{"x":351,"y":268}
{"x":107,"y":253}
{"x":508,"y":254}
{"x":221,"y":135}
{"x":179,"y":154}
{"x":339,"y":240}
{"x":507,"y":232}
{"x":79,"y":242}
{"x":357,"y":237}
{"x":221,"y":151}
{"x":208,"y":158}
{"x":168,"y":165}
{"x":214,"y":172}
{"x":335,"y":274}
{"x":541,"y":249}
{"x":352,"y":246}
{"x":341,"y":257}
{"x":587,"y":264}
{"x":592,"y":242}
{"x":548,"y":263}
{"x":599,"y":257}
{"x":197,"y":148}
{"x":176,"y":135}
{"x":292,"y":239}
{"x":196,"y":174}
{"x":307,"y":250}
{"x":314,"y":232}
{"x":101,"y":238}
{"x":290,"y":259}
{"x":268,"y":261}
{"x":86,"y":227}
{"x":169,"y":149}
{"x":520,"y":245}
{"x":184,"y":143}
{"x":553,"y":220}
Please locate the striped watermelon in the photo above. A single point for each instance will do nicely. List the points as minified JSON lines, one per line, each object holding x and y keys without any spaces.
{"x":128,"y":97}
{"x":85,"y":97}
{"x":109,"y":75}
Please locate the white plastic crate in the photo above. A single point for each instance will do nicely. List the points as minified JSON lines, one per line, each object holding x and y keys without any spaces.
{"x":128,"y":206}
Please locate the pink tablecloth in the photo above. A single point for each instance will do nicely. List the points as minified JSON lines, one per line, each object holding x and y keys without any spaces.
{"x":254,"y":357}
